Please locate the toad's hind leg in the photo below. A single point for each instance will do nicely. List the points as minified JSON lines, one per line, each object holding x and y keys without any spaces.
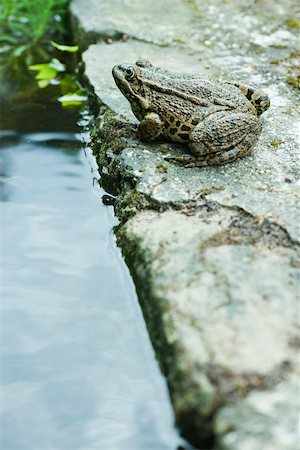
{"x":221,"y":138}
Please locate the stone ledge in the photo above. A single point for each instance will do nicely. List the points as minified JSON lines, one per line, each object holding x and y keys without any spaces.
{"x":213,"y":251}
{"x":203,"y":303}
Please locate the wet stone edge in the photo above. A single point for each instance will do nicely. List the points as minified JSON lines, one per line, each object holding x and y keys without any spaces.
{"x":112,"y":134}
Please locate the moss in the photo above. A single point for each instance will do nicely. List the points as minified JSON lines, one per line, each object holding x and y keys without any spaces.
{"x":130,"y":203}
{"x":278,"y":46}
{"x":109,"y":133}
{"x":112,"y":134}
{"x":108,"y":139}
{"x":293,"y":62}
{"x":294,"y":54}
{"x":195,"y":8}
{"x":162,"y":168}
{"x":294,"y":81}
{"x":293,"y":23}
{"x":154,"y":307}
{"x":179,"y":40}
{"x":276,"y":144}
{"x":290,"y":111}
{"x":186,"y":394}
{"x":291,"y":65}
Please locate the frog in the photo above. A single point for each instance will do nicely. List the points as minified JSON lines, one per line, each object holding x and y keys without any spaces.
{"x":219,"y":121}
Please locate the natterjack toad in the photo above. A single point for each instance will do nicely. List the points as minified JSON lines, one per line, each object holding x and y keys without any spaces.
{"x":218,"y":120}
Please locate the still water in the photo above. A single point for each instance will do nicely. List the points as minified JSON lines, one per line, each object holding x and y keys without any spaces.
{"x":77,"y":367}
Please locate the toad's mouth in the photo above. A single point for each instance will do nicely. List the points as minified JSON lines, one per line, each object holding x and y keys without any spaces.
{"x":121,"y":82}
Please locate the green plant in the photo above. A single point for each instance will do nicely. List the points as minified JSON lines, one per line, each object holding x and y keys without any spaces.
{"x":26,"y":26}
{"x":55,"y":72}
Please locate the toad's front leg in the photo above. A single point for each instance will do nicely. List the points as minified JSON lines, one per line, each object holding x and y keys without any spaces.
{"x":150,"y":128}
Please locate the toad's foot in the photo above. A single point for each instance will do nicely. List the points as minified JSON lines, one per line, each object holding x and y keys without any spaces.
{"x":209,"y":160}
{"x":187,"y":160}
{"x":259,"y":99}
{"x":150,"y":127}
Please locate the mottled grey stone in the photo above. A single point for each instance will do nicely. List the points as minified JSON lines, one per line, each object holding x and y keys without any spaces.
{"x":212,"y":250}
{"x":262,"y":420}
{"x":255,"y":183}
{"x":230,"y":311}
{"x":133,"y":18}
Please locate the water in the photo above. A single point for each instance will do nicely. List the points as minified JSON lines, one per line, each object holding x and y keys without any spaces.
{"x":77,"y":367}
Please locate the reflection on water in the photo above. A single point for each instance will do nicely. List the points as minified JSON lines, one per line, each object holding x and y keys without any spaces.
{"x":77,"y":368}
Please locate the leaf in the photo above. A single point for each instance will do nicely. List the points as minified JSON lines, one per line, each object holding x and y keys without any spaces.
{"x":57,"y":65}
{"x":68,"y":84}
{"x":73,"y":99}
{"x":37,"y":67}
{"x":74,"y":96}
{"x":65,"y":48}
{"x":8,"y":38}
{"x":19,"y":50}
{"x":48,"y":73}
{"x":4,"y":49}
{"x":43,"y":83}
{"x":45,"y":71}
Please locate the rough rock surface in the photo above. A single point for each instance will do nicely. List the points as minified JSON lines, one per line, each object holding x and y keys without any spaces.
{"x":214,"y":250}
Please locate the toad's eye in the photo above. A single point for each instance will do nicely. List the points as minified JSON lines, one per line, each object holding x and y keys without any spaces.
{"x":129,"y":72}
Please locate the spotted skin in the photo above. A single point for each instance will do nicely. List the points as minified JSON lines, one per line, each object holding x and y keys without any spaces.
{"x":218,"y":121}
{"x":259,"y":100}
{"x":180,"y":132}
